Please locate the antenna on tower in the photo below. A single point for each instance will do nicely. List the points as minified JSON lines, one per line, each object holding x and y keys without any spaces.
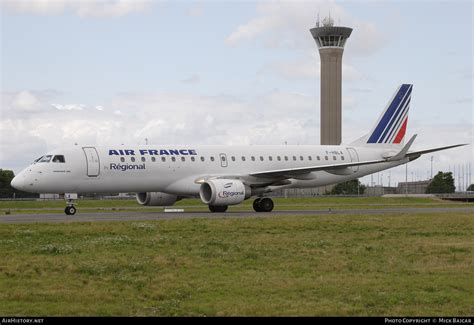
{"x":317,"y":21}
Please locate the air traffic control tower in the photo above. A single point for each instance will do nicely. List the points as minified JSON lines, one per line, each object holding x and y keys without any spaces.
{"x":330,"y":40}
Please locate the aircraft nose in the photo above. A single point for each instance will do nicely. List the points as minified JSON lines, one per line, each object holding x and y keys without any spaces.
{"x":18,"y":182}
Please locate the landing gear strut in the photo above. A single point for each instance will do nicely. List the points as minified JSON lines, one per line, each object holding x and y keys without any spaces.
{"x":70,"y":208}
{"x":263,"y":205}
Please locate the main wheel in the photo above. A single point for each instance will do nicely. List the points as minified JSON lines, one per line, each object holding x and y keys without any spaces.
{"x":263,"y":205}
{"x":256,"y":205}
{"x":70,"y":210}
{"x":218,"y":208}
{"x":266,"y":205}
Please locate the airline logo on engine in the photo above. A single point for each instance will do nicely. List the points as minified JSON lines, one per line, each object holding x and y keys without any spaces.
{"x":228,"y":194}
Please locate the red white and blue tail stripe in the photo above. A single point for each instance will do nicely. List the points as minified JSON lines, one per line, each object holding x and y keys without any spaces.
{"x":392,"y":124}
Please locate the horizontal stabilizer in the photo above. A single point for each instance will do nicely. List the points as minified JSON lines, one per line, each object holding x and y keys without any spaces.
{"x":416,"y":154}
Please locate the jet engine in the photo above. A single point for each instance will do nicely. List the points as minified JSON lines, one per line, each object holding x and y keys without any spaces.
{"x":222,"y":192}
{"x":156,"y":198}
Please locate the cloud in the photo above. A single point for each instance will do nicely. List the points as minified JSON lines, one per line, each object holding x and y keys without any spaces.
{"x":307,"y":67}
{"x":286,"y":25}
{"x":82,"y":8}
{"x":195,"y":11}
{"x":69,"y":107}
{"x":163,"y":118}
{"x":193,"y":79}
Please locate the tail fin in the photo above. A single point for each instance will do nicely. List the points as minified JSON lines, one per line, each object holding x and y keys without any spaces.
{"x":391,"y":126}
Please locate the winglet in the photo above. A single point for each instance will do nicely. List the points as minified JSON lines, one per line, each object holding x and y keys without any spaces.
{"x":404,"y":151}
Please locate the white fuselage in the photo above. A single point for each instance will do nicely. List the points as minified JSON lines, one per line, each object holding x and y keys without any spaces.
{"x":178,"y":169}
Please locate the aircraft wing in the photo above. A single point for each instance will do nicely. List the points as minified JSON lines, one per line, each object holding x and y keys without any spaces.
{"x":304,"y":170}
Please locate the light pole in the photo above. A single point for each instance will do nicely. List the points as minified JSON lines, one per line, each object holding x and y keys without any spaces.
{"x":432,"y":167}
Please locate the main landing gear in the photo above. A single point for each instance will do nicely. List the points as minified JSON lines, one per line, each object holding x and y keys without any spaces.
{"x":70,"y":208}
{"x":264,"y":204}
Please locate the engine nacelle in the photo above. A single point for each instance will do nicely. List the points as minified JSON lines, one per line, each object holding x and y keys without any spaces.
{"x":156,"y":199}
{"x":223,"y":192}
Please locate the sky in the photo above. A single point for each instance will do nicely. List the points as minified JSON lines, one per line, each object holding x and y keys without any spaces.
{"x":99,"y":72}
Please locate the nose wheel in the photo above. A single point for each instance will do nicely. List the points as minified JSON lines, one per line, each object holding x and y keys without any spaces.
{"x":263,"y":204}
{"x":70,"y":208}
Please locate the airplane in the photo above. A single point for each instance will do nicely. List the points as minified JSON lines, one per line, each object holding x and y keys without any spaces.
{"x":222,"y":175}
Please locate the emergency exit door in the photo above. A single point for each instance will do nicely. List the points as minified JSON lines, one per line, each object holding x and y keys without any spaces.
{"x":223,"y":158}
{"x":92,"y":161}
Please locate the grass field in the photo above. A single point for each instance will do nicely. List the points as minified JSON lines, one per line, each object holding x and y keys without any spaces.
{"x":323,"y":202}
{"x":313,"y":265}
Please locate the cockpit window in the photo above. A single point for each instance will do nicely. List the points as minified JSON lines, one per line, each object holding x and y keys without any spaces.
{"x":58,"y":159}
{"x":38,"y":159}
{"x":45,"y":159}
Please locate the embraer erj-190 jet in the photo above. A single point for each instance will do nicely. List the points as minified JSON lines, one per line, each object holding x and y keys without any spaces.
{"x":222,"y":175}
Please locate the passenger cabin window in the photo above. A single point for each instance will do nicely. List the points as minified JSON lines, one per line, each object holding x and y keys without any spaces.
{"x":342,"y":157}
{"x":143,"y":159}
{"x":122,"y":159}
{"x":253,"y":158}
{"x":301,"y":158}
{"x":243,"y":158}
{"x":212,"y":158}
{"x":153,"y":159}
{"x":132,"y":159}
{"x":58,"y":159}
{"x":261,"y":158}
{"x":193,"y":159}
{"x":173,"y":159}
{"x":202,"y":158}
{"x":45,"y":159}
{"x":163,"y":159}
{"x":318,"y":158}
{"x":278,"y":158}
{"x":270,"y":158}
{"x":183,"y":159}
{"x":233,"y":158}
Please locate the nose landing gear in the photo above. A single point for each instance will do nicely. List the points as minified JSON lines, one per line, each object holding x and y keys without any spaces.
{"x":70,"y":208}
